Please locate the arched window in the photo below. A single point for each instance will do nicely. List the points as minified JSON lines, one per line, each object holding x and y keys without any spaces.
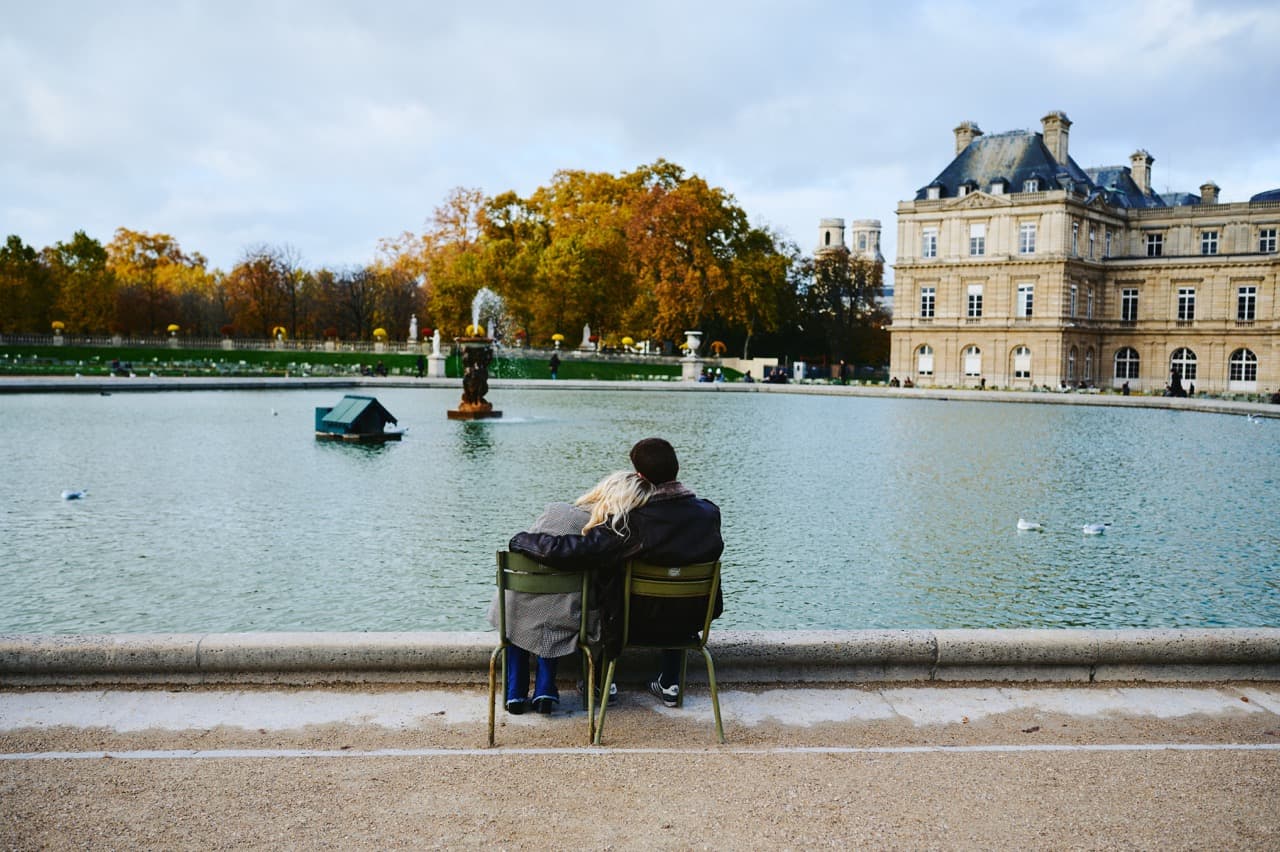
{"x":924,"y":360}
{"x":973,"y":362}
{"x":1022,"y":363}
{"x":1242,"y":371}
{"x":1127,"y":363}
{"x":1071,"y":364}
{"x":826,"y":238}
{"x":1184,"y":361}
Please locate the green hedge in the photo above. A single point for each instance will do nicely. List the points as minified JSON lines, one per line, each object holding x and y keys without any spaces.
{"x":97,"y":361}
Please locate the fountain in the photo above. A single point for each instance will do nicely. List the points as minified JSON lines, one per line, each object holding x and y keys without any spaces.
{"x":477,"y":354}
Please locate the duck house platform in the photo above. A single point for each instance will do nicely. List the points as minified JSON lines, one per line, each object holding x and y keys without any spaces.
{"x":356,"y":419}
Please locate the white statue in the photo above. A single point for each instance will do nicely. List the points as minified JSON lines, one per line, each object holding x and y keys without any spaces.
{"x":435,"y":343}
{"x":586,"y":337}
{"x":413,"y":328}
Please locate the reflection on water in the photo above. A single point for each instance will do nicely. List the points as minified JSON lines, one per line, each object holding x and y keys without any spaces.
{"x":220,"y":512}
{"x":475,"y":441}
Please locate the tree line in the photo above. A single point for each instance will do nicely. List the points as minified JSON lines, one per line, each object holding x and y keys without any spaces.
{"x":644,"y":254}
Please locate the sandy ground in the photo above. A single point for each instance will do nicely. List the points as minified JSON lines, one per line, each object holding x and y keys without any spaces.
{"x":942,"y":768}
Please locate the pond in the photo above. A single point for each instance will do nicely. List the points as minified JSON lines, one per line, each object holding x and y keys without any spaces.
{"x":218,"y":511}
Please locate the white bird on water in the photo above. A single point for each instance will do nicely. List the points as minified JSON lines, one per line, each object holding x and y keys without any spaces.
{"x":1029,"y":525}
{"x":74,"y":495}
{"x":1095,"y":529}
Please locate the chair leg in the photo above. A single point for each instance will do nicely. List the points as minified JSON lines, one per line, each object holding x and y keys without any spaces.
{"x":684,"y":671}
{"x":715,"y":693}
{"x":604,"y":699}
{"x":501,"y":650}
{"x":591,"y":695}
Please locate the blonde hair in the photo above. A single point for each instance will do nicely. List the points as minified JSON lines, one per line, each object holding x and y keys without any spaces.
{"x":613,"y":498}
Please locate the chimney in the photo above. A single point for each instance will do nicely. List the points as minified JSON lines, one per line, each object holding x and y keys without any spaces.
{"x":966,"y":132}
{"x":1056,"y":126}
{"x":1140,"y":168}
{"x":1209,"y":193}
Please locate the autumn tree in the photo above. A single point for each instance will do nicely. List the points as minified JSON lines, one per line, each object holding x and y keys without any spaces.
{"x":584,"y":274}
{"x":647,"y":253}
{"x":150,"y":270}
{"x":27,"y":293}
{"x":841,"y":305}
{"x":264,"y":291}
{"x":514,"y":237}
{"x":684,"y":238}
{"x":85,"y":286}
{"x":761,"y":285}
{"x":452,"y":259}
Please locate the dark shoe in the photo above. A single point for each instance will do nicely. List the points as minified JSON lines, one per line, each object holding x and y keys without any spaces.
{"x":613,"y":693}
{"x":670,"y":695}
{"x":515,"y":706}
{"x":544,"y":704}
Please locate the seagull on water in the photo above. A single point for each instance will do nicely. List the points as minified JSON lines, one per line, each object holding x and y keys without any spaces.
{"x":1029,"y":525}
{"x":1095,"y":529}
{"x":74,"y":495}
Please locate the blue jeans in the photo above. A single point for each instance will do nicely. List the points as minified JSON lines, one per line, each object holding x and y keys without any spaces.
{"x":544,"y":684}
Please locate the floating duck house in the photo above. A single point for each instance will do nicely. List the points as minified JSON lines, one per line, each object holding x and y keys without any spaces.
{"x":359,"y":419}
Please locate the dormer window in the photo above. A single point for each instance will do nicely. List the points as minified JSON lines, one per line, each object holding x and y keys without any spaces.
{"x":998,"y":185}
{"x":1031,"y":185}
{"x":962,"y":190}
{"x":933,"y":193}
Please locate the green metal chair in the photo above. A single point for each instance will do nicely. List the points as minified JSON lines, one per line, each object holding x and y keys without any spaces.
{"x":659,"y":581}
{"x":520,"y":573}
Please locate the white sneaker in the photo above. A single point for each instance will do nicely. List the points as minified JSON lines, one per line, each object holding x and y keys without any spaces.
{"x":670,"y":695}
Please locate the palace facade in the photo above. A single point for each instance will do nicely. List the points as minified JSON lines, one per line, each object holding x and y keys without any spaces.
{"x":1017,"y":268}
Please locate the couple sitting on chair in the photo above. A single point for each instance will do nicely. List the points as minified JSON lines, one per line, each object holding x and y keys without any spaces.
{"x":646,"y":515}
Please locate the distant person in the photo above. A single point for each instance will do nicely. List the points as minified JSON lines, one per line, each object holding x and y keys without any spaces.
{"x":422,"y":366}
{"x":844,"y":372}
{"x":893,"y":383}
{"x":746,"y":377}
{"x":674,"y":527}
{"x":908,"y":383}
{"x":555,"y":364}
{"x":1124,"y":389}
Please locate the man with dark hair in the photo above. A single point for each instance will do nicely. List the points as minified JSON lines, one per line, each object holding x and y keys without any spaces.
{"x":675,"y":527}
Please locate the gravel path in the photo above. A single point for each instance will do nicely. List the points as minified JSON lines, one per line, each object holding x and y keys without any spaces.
{"x":1046,"y":769}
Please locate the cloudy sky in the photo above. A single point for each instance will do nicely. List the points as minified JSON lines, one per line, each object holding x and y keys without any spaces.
{"x":326,"y":126}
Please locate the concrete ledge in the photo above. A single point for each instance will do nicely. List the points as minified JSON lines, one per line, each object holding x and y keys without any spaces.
{"x":853,"y":656}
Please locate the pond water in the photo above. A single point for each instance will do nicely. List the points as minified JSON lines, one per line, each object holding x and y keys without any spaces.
{"x":218,"y":511}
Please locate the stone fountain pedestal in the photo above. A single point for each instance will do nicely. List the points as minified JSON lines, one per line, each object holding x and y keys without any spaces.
{"x":691,"y":364}
{"x":477,"y":352}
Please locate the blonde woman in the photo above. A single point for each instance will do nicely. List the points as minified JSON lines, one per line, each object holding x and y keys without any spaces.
{"x":547,"y":625}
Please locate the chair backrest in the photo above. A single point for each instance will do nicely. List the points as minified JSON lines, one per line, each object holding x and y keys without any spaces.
{"x":698,"y":580}
{"x":520,"y":573}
